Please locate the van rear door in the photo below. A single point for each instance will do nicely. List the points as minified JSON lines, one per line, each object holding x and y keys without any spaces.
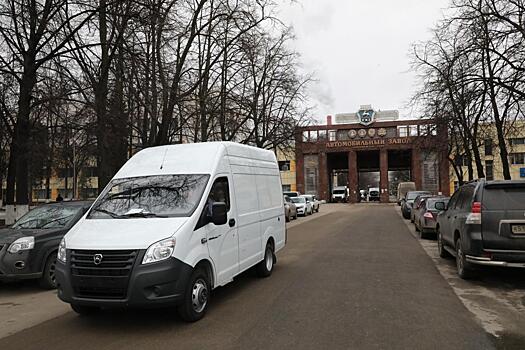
{"x":503,"y":216}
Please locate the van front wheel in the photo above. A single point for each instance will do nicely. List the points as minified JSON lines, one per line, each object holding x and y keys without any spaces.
{"x":265,"y":267}
{"x":196,"y":297}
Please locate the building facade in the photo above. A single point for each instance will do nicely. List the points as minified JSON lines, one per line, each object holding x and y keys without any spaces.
{"x":371,"y":149}
{"x":491,"y":159}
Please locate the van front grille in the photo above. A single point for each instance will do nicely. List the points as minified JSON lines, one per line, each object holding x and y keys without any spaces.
{"x":101,"y":274}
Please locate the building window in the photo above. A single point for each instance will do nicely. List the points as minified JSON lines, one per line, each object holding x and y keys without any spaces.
{"x":332,"y":135}
{"x":413,"y":130}
{"x":88,"y":193}
{"x":489,"y":169}
{"x":402,"y":131}
{"x":313,"y":135}
{"x":517,"y":141}
{"x":284,"y":165}
{"x":517,"y":158}
{"x":306,"y":136}
{"x":311,"y":171}
{"x":461,"y":160}
{"x":287,"y":188}
{"x":488,"y":147}
{"x":90,"y":171}
{"x":40,"y":194}
{"x":322,"y":135}
{"x":63,"y":172}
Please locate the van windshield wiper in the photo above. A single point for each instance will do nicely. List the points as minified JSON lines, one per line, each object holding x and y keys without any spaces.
{"x":141,"y":213}
{"x":110,"y":213}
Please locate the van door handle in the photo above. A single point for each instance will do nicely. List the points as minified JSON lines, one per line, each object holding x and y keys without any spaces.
{"x":231,"y":222}
{"x":215,"y":237}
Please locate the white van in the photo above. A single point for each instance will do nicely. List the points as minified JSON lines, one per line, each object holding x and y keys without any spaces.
{"x":339,"y":194}
{"x":174,"y":223}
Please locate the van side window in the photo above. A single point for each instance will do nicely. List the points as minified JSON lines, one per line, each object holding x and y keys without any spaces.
{"x":220,"y":192}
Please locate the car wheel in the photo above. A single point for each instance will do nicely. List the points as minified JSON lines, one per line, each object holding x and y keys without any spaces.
{"x":196,"y":297}
{"x":406,"y":216}
{"x":265,"y":267}
{"x":84,"y":310}
{"x":422,"y":234}
{"x":463,"y":267}
{"x":287,"y":217}
{"x":441,"y":248}
{"x":48,"y":281}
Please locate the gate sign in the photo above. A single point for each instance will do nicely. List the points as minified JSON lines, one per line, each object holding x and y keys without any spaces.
{"x":522,"y":172}
{"x":366,"y":116}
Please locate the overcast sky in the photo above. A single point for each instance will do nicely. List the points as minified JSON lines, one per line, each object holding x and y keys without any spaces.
{"x":359,"y":50}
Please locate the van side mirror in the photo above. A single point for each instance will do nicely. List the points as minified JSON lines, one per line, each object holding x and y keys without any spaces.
{"x":219,"y":213}
{"x":441,"y":206}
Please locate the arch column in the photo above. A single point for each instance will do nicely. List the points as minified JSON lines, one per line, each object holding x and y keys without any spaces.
{"x":353,"y":182}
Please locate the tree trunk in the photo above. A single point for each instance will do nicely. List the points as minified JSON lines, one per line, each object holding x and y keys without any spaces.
{"x":23,"y":131}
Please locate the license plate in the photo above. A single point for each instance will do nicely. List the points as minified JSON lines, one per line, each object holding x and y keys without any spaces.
{"x":518,"y":229}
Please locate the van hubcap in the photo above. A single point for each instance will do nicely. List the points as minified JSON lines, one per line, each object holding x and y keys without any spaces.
{"x":269,"y":260}
{"x":199,"y":295}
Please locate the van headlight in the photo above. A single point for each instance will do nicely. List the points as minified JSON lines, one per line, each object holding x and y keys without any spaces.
{"x":24,"y":243}
{"x":159,"y":251}
{"x":61,"y":254}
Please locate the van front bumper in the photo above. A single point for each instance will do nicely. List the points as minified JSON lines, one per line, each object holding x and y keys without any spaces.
{"x":151,"y":285}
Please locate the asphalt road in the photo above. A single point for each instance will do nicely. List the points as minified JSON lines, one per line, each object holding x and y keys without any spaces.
{"x":352,"y":279}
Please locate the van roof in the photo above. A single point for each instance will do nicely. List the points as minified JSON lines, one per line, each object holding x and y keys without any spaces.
{"x":191,"y":158}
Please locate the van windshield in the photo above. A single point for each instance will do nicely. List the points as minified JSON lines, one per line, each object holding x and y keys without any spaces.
{"x":150,"y":196}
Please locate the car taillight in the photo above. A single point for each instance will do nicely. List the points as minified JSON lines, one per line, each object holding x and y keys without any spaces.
{"x":428,"y":215}
{"x":474,"y":218}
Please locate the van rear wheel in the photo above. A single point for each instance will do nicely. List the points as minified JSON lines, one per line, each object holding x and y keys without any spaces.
{"x":196,"y":297}
{"x":265,"y":267}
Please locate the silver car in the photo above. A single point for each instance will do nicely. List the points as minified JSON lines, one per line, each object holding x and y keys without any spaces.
{"x":304,"y":206}
{"x":314,"y":201}
{"x":290,"y":210}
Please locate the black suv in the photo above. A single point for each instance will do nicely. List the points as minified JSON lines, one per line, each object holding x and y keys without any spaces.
{"x":483,"y":224}
{"x":28,"y":248}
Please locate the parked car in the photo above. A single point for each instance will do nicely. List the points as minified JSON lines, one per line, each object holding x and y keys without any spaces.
{"x":483,"y":224}
{"x":292,"y":194}
{"x":408,"y":201}
{"x":28,"y":248}
{"x":373,"y":194}
{"x":290,"y":210}
{"x":425,"y":216}
{"x":417,"y":204}
{"x":403,"y":188}
{"x":165,"y":230}
{"x":339,"y":194}
{"x":304,"y":206}
{"x":315,"y":203}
